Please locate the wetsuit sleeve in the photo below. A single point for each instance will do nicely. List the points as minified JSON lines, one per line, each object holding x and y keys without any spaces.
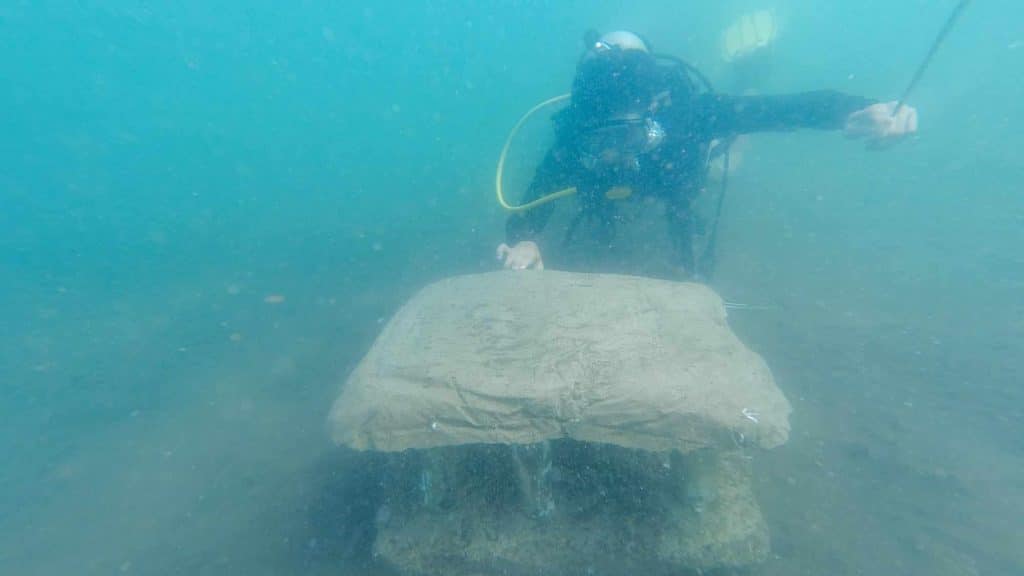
{"x":554,"y":173}
{"x":724,"y":115}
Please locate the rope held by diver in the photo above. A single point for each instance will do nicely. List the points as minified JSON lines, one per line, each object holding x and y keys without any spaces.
{"x":939,"y":39}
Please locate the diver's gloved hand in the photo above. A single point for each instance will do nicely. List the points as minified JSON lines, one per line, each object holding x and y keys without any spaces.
{"x":879,"y":126}
{"x":522,"y":256}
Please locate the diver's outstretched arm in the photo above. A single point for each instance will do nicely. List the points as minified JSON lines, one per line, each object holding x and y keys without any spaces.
{"x":724,"y":115}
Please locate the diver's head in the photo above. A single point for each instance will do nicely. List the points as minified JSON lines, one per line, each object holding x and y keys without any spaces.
{"x":612,"y":98}
{"x":621,"y":40}
{"x":614,"y":73}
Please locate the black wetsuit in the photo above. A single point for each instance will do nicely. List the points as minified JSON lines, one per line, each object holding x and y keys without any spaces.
{"x":675,"y":171}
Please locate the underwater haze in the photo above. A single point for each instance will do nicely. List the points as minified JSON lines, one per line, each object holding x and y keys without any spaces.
{"x":209,"y":209}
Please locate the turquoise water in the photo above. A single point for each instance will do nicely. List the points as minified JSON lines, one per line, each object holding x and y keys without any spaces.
{"x":208,"y":210}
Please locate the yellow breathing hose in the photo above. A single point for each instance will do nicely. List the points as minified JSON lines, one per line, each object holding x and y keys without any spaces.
{"x":504,"y":154}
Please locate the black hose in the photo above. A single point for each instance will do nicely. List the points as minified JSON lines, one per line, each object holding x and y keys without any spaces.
{"x":707,"y":258}
{"x":690,"y":69}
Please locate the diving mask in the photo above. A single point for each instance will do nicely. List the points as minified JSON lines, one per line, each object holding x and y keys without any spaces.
{"x":620,"y":140}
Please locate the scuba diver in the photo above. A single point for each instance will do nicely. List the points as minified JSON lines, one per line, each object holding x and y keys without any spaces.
{"x":641,"y":125}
